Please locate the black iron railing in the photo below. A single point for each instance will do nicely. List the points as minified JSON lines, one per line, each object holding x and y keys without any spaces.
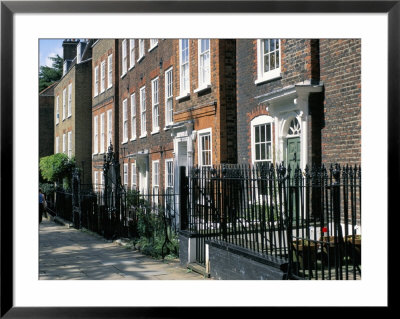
{"x":120,"y":214}
{"x":311,"y":218}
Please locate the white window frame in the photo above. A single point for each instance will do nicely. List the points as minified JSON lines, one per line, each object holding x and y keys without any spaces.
{"x":102,"y":133}
{"x":141,"y":49}
{"x":64,"y":143}
{"x":126,"y":172}
{"x":153,"y":44}
{"x":204,"y":81}
{"x":70,"y":100}
{"x":109,"y":127}
{"x":184,"y":76}
{"x":96,"y":81}
{"x":169,"y":97}
{"x":64,"y":103}
{"x":124,"y":121}
{"x":109,"y":71}
{"x":155,"y":105}
{"x":103,"y":76}
{"x":57,"y":144}
{"x":133,"y":116}
{"x":133,"y":177}
{"x":124,"y":61}
{"x":257,"y":121}
{"x":169,"y":162}
{"x":200,"y":134}
{"x":96,"y":134}
{"x":57,"y":109}
{"x":131,"y":53}
{"x":269,"y":75}
{"x":143,"y":130}
{"x":70,"y":144}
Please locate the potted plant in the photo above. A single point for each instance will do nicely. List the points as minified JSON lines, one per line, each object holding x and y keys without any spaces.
{"x":332,"y":248}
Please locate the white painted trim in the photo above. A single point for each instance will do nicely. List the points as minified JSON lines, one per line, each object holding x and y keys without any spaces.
{"x":259,"y":120}
{"x":183,"y":93}
{"x":154,"y":46}
{"x":270,"y":75}
{"x":206,"y":84}
{"x":199,"y":133}
{"x":180,"y":97}
{"x":202,"y":88}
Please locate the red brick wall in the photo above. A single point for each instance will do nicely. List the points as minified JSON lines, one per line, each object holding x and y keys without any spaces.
{"x":341,"y":73}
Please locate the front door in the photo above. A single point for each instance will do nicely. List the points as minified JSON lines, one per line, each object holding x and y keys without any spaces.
{"x":293,"y":153}
{"x":293,"y":161}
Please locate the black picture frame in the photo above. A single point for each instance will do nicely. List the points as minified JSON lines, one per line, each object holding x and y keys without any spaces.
{"x":9,"y":8}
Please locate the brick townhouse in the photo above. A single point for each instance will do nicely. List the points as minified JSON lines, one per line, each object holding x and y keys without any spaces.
{"x":46,"y":121}
{"x":72,"y":111}
{"x":105,"y":97}
{"x":146,"y":103}
{"x":298,"y":101}
{"x":204,"y":127}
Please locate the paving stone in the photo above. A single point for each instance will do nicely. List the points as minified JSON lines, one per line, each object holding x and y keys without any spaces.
{"x":70,"y":254}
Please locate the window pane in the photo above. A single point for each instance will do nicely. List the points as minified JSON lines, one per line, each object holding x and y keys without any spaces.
{"x":269,"y":151}
{"x":266,"y":63}
{"x":266,"y":46}
{"x":272,"y":45}
{"x":257,"y":134}
{"x":277,"y":44}
{"x":263,"y":151}
{"x":262,"y":128}
{"x":277,"y":59}
{"x":272,"y":61}
{"x":268,"y":128}
{"x":257,"y":151}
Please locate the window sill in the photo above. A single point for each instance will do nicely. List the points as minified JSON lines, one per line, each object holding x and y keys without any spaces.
{"x":155,"y":132}
{"x":143,"y":136}
{"x":202,"y":88}
{"x":182,"y":96}
{"x":109,"y":87}
{"x":124,"y":142}
{"x":168,"y":127}
{"x":268,"y":78}
{"x":133,"y":139}
{"x":153,"y":47}
{"x":131,"y":67}
{"x":140,"y":59}
{"x":123,"y":75}
{"x":102,"y":91}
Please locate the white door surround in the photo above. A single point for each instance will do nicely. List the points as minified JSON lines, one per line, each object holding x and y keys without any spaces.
{"x":284,"y":105}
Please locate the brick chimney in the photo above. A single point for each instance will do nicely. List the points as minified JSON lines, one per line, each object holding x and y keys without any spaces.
{"x":69,"y":49}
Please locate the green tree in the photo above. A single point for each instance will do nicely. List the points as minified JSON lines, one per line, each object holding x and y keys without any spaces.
{"x":57,"y":168}
{"x":49,"y":75}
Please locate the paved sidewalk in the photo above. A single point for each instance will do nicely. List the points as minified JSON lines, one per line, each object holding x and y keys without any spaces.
{"x":68,"y":253}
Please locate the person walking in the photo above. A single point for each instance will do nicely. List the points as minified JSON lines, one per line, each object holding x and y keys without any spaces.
{"x":42,"y":200}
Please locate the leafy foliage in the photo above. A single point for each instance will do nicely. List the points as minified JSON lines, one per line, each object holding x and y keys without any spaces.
{"x":47,"y":188}
{"x":153,"y":238}
{"x":56,"y":167}
{"x":49,"y":75}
